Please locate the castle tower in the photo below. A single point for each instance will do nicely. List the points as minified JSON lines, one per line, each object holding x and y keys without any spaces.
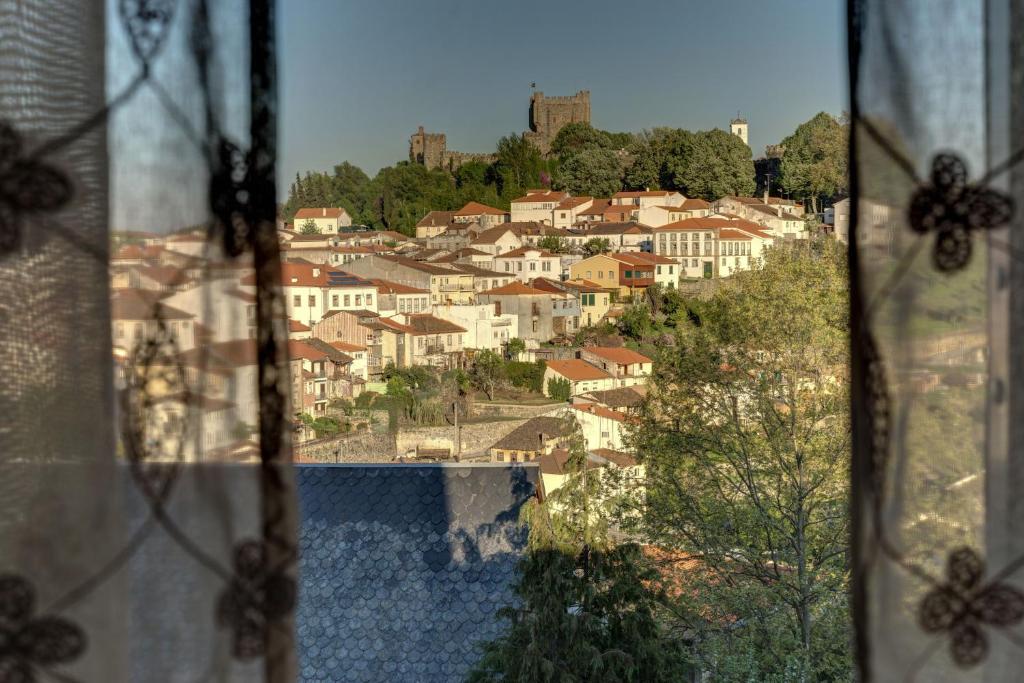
{"x":549,"y":114}
{"x":738,"y":127}
{"x":427,"y":149}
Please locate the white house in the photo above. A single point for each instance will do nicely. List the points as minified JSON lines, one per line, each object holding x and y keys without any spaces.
{"x":485,"y":328}
{"x":327,"y":220}
{"x":602,"y":427}
{"x":568,"y":211}
{"x":526,"y":263}
{"x":537,"y":205}
{"x":646,"y":198}
{"x":581,"y":375}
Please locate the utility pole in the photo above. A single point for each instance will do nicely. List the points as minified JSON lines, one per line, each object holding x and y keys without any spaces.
{"x":458,"y":432}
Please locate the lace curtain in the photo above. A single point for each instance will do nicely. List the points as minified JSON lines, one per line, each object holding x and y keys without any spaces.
{"x":146,"y":508}
{"x":938,"y":287}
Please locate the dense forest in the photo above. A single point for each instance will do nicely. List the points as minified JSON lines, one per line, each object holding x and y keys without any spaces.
{"x":584,"y":161}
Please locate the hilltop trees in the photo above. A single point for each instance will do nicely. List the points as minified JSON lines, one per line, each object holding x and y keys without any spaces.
{"x":814,"y":165}
{"x":706,"y":164}
{"x":594,"y":172}
{"x":745,"y":436}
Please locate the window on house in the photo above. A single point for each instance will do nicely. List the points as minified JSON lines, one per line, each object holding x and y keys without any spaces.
{"x":449,"y":340}
{"x":369,"y":299}
{"x":348,"y":300}
{"x":118,"y":330}
{"x":312,"y":301}
{"x":334,"y":300}
{"x":611,"y":276}
{"x":519,"y":266}
{"x":359,"y":299}
{"x":533,"y":266}
{"x":297,"y":301}
{"x":508,"y":267}
{"x":588,"y":274}
{"x":659,"y":270}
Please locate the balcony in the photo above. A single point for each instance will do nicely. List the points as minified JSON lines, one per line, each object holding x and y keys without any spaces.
{"x":456,"y":288}
{"x":501,"y":323}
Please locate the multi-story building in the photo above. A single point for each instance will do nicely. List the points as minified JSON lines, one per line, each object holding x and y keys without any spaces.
{"x":625,"y":366}
{"x":621,"y":236}
{"x":532,"y":308}
{"x":537,"y":205}
{"x":593,"y":301}
{"x":581,"y":376}
{"x":485,"y":216}
{"x":434,"y":223}
{"x":646,"y":198}
{"x":485,"y":329}
{"x":434,"y":341}
{"x":567,"y":213}
{"x":526,"y":263}
{"x":394,"y":298}
{"x":497,"y":241}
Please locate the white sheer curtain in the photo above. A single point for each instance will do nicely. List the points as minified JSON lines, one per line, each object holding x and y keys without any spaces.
{"x":937,"y":283}
{"x":146,"y":508}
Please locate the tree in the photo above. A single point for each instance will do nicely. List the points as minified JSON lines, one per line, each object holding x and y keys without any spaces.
{"x":559,"y":389}
{"x":553,"y":243}
{"x":594,"y":172}
{"x":515,"y":347}
{"x":488,"y":372}
{"x":745,"y":437}
{"x":712,"y":164}
{"x":814,"y":165}
{"x":309,"y":227}
{"x":587,"y":610}
{"x":518,"y":166}
{"x":636,"y":323}
{"x":596,"y":245}
{"x":573,"y":138}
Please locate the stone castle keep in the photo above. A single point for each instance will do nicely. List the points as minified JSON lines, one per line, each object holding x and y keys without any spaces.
{"x":547,"y":116}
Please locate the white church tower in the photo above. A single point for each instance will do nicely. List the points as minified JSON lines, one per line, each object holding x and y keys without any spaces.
{"x":738,"y":126}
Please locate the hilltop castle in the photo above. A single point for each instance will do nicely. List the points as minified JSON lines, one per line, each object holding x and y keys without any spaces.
{"x":547,"y":116}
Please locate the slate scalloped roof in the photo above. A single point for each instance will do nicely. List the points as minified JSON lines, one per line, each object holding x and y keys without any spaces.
{"x":403,"y":568}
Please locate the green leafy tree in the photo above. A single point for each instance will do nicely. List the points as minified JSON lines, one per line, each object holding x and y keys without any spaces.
{"x":526,"y":375}
{"x":712,"y":164}
{"x":309,"y":227}
{"x":594,"y":172}
{"x":559,"y":389}
{"x":636,"y":323}
{"x":516,"y":346}
{"x":573,"y":138}
{"x":596,"y":245}
{"x":814,"y":165}
{"x":518,"y":165}
{"x":587,"y":610}
{"x":553,"y":243}
{"x":488,"y":372}
{"x":745,"y":436}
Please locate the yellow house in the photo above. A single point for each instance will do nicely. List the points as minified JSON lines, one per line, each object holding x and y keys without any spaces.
{"x":602,"y":270}
{"x":594,"y":301}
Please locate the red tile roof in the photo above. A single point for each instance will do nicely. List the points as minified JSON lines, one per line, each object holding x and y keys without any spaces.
{"x":597,"y":208}
{"x":632,"y":194}
{"x":729,"y":234}
{"x":514,"y":289}
{"x":577,"y":370}
{"x":303,"y":214}
{"x":596,"y":409}
{"x":436,"y":218}
{"x":694,"y":204}
{"x":476,"y":209}
{"x":573,"y":202}
{"x":296,"y":326}
{"x":697,"y":223}
{"x":347,"y":347}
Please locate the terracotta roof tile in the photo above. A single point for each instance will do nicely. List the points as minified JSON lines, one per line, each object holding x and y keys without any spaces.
{"x":577,"y":370}
{"x":618,"y":354}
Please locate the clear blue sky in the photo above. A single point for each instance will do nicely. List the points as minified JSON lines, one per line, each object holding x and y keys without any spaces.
{"x":358,"y":76}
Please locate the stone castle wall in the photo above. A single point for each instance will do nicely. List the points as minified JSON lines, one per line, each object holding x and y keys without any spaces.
{"x":548,"y":115}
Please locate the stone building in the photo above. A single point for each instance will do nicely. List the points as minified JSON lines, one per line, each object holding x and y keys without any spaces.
{"x":738,"y":127}
{"x":431,"y":150}
{"x":549,"y":114}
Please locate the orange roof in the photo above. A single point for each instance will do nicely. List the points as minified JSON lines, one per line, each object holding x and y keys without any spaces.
{"x":389,"y":287}
{"x":302,"y":274}
{"x":728,"y":234}
{"x":514,"y":288}
{"x":541,"y":196}
{"x":346,"y":347}
{"x":694,"y":204}
{"x":319,"y":213}
{"x":698,"y":223}
{"x":296,"y":326}
{"x":476,"y":208}
{"x":618,"y":354}
{"x":597,"y":208}
{"x":577,"y":370}
{"x":299,"y":349}
{"x":573,"y":202}
{"x":596,"y":409}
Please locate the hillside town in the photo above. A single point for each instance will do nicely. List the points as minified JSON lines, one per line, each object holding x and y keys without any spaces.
{"x":524,"y":285}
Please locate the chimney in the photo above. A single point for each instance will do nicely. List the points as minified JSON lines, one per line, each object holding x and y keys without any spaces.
{"x":766,"y":195}
{"x":324,"y":212}
{"x":316,"y":272}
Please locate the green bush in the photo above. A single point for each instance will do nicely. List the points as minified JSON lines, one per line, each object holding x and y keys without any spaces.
{"x":559,"y":389}
{"x":528,"y":376}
